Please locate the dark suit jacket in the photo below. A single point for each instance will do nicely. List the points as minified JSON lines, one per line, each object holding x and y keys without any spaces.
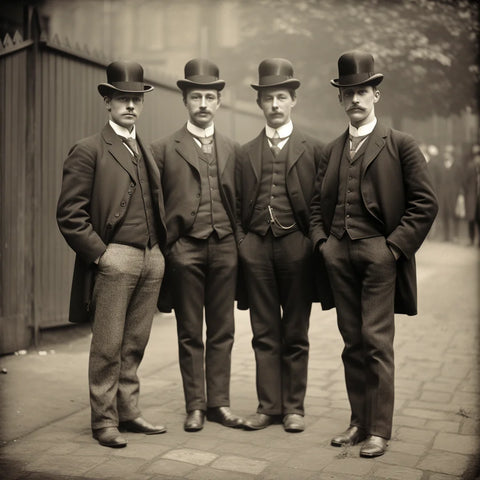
{"x":304,"y":154}
{"x":177,"y":161}
{"x":97,"y":176}
{"x":396,"y":190}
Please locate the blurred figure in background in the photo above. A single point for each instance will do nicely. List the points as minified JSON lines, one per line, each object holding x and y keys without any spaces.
{"x":450,"y":185}
{"x":471,"y":186}
{"x":433,"y":165}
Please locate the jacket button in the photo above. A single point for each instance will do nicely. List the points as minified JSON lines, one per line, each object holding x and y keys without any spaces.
{"x":130,"y":192}
{"x":123,"y":203}
{"x":192,"y":214}
{"x":117,"y":214}
{"x":132,"y":184}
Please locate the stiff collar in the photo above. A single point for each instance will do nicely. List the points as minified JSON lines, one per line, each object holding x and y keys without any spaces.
{"x":363,"y":130}
{"x":200,"y":132}
{"x":283,"y":131}
{"x":122,"y":131}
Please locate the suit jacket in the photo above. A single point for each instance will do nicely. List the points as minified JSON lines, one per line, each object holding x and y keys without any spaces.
{"x":396,"y":189}
{"x":177,"y":161}
{"x":304,"y":154}
{"x":97,"y":176}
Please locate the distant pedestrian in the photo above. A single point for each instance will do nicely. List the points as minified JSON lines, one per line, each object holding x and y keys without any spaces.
{"x":275,"y":179}
{"x":471,"y":186}
{"x":197,"y":166}
{"x":373,"y":206}
{"x":110,"y":212}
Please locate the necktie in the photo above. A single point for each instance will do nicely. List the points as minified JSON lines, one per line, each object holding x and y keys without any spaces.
{"x":132,"y":144}
{"x":354,"y":142}
{"x":207,"y":143}
{"x":275,"y":140}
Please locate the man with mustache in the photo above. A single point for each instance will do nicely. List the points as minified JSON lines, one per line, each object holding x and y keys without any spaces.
{"x":110,"y":211}
{"x":275,"y":180}
{"x":197,"y":165}
{"x":373,"y":207}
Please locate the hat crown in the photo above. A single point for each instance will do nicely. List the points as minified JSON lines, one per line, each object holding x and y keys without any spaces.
{"x":200,"y":67}
{"x":124,"y":72}
{"x":279,"y":67}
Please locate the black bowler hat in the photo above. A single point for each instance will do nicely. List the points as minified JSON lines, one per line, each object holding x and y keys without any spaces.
{"x":276,"y":72}
{"x":126,"y":77}
{"x":201,"y":73}
{"x":356,"y":68}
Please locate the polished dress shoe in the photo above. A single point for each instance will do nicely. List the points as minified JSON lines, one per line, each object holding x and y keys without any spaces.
{"x":258,"y":421}
{"x":109,"y":437}
{"x":224,"y":416}
{"x":351,"y":436}
{"x":293,"y":422}
{"x":374,"y":446}
{"x":140,"y":425}
{"x":194,"y":421}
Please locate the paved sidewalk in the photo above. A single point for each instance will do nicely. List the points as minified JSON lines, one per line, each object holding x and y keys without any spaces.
{"x":44,"y":410}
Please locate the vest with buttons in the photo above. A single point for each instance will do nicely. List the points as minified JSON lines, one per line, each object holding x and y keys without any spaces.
{"x":211,"y":215}
{"x":138,"y":226}
{"x":350,"y":213}
{"x":273,"y":192}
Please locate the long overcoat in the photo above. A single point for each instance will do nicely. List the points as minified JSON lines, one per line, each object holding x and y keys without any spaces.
{"x":98,"y":182}
{"x":396,"y":190}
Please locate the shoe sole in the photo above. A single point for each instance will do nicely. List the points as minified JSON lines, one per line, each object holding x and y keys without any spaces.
{"x":370,"y":455}
{"x":116,"y":445}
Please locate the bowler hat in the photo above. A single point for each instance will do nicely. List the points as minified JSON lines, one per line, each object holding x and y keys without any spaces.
{"x":201,"y":73}
{"x":124,"y":77}
{"x":356,"y":68}
{"x":276,"y":72}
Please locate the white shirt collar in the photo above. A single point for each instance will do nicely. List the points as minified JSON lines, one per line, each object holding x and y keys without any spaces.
{"x":200,"y":132}
{"x":363,"y":130}
{"x":283,"y":131}
{"x":122,"y":131}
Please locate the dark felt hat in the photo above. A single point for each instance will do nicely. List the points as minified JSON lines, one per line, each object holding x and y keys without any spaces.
{"x":356,"y":68}
{"x":276,"y":72}
{"x":201,"y":73}
{"x":126,"y":77}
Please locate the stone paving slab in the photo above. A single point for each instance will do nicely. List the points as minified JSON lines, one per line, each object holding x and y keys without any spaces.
{"x":44,"y":411}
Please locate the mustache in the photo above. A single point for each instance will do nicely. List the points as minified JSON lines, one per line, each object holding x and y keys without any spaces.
{"x":355,"y":108}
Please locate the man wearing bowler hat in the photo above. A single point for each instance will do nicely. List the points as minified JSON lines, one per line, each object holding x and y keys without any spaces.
{"x":373,"y":207}
{"x":197,"y":165}
{"x":275,"y":180}
{"x":110,"y":212}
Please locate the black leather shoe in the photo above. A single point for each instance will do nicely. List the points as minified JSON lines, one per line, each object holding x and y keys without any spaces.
{"x":293,"y":422}
{"x":109,"y":437}
{"x":351,"y":436}
{"x":140,"y":425}
{"x":374,"y":446}
{"x":224,"y":416}
{"x":258,"y":421}
{"x":194,"y":421}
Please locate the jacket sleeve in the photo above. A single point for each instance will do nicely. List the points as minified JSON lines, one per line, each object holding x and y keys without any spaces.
{"x":74,"y":203}
{"x":421,"y":203}
{"x":317,"y":231}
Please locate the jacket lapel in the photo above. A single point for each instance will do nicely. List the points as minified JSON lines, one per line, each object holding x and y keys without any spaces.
{"x":331,"y":178}
{"x":223,"y":151}
{"x":255,"y":155}
{"x":296,"y":146}
{"x":118,"y":150}
{"x":375,"y":144}
{"x":186,"y":148}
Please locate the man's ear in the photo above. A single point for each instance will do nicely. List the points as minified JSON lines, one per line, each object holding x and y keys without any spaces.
{"x":107,"y":100}
{"x":376,"y":96}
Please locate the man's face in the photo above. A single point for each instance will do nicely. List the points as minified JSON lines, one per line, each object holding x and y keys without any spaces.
{"x":202,"y":104}
{"x":277,"y":105}
{"x":124,"y":108}
{"x":358,"y":103}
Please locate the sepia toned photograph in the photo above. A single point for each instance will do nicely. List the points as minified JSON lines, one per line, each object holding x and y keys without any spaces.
{"x":239,"y":239}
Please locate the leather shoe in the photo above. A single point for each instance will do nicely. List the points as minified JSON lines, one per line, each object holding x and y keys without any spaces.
{"x":194,"y":421}
{"x":293,"y":422}
{"x":351,"y":436}
{"x":258,"y":421}
{"x":224,"y":416}
{"x":109,"y":437}
{"x":140,"y":425}
{"x":374,"y":446}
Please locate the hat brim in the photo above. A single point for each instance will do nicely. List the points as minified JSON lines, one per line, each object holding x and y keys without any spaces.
{"x":374,"y":80}
{"x":105,"y":88}
{"x":290,"y":83}
{"x":215,"y":85}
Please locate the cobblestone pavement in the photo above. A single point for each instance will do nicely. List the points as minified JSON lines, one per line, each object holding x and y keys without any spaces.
{"x":44,"y":410}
